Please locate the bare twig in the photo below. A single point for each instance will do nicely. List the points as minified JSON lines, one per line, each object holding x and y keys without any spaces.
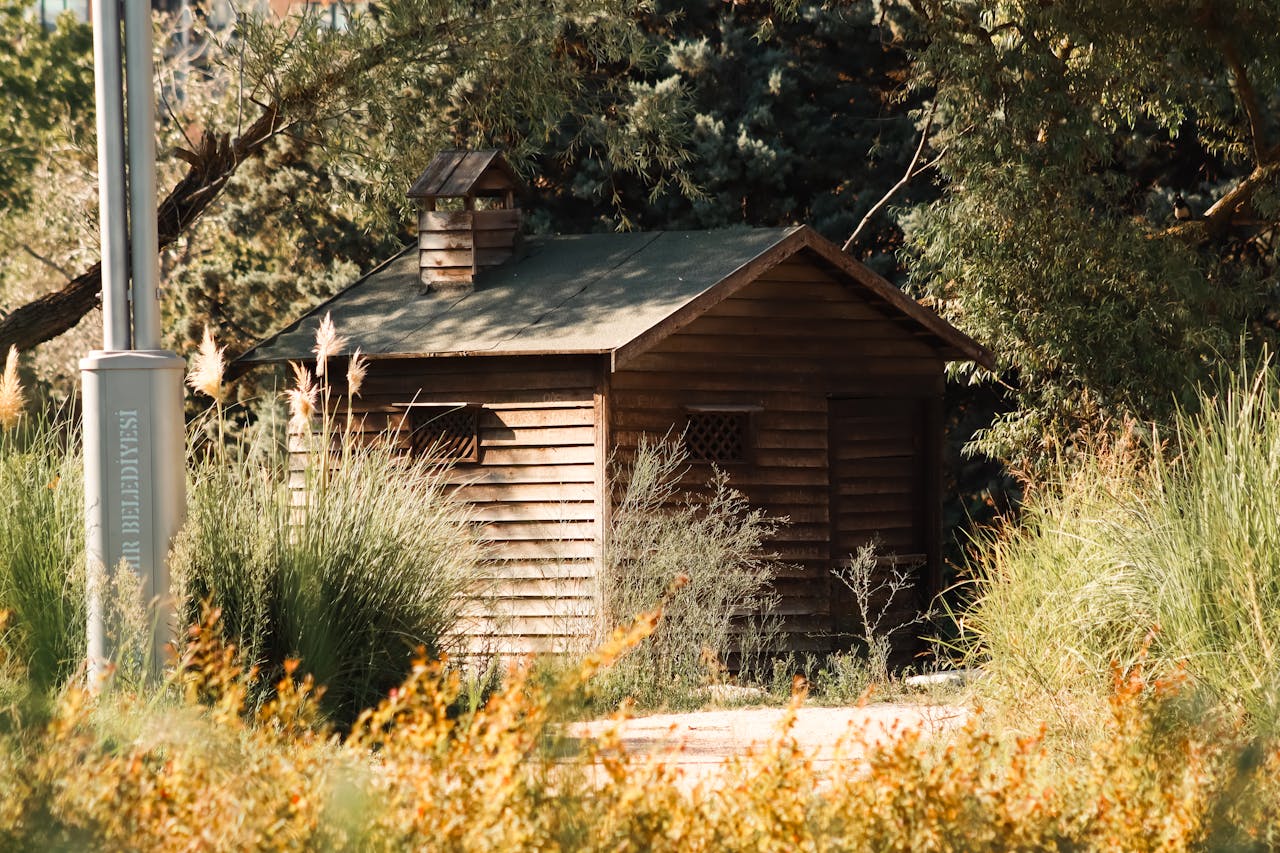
{"x":49,"y":262}
{"x":902,"y":182}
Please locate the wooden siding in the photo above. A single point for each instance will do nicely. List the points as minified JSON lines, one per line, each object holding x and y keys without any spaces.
{"x":787,"y":343}
{"x":534,"y":493}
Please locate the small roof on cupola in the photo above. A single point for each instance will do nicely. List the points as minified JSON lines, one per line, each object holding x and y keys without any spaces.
{"x":457,"y":173}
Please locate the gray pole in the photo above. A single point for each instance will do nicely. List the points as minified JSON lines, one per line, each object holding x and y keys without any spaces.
{"x":144,"y":243}
{"x":109,"y":94}
{"x":134,"y":444}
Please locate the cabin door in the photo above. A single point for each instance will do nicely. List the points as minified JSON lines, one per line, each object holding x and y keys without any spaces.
{"x":878,"y":472}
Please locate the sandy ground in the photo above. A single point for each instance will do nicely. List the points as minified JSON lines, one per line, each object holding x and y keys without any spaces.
{"x":699,"y":742}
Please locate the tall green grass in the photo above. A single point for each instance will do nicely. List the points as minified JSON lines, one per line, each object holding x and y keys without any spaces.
{"x":349,"y":569}
{"x":42,"y":542}
{"x":1165,"y":552}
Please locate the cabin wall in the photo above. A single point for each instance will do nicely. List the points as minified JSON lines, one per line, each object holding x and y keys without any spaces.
{"x":535,"y":491}
{"x":788,"y":343}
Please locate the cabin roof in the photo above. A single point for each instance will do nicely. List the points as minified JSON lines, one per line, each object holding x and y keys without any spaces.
{"x":585,"y":294}
{"x":455,"y":173}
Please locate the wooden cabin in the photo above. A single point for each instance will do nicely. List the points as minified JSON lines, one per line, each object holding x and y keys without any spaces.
{"x":814,"y":382}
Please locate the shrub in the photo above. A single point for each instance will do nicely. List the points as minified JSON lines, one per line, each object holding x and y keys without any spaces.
{"x":715,"y":546}
{"x":125,"y":774}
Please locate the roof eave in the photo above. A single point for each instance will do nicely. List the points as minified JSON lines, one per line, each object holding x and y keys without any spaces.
{"x":400,"y":356}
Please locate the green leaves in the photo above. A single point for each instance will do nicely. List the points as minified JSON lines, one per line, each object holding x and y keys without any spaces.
{"x":1068,"y":129}
{"x":46,"y":95}
{"x":420,"y":75}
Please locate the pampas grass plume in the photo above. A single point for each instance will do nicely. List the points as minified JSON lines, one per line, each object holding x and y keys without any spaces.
{"x":328,"y":343}
{"x":207,"y":368}
{"x":302,"y":398}
{"x":356,"y":369}
{"x":11,"y":396}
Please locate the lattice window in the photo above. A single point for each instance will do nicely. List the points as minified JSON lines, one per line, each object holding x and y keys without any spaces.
{"x":447,"y":433}
{"x":722,"y":436}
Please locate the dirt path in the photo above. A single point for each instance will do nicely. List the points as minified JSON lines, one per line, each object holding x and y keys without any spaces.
{"x":701,"y":741}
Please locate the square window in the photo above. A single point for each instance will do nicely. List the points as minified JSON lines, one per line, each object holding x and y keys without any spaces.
{"x":720,"y":435}
{"x":447,"y":432}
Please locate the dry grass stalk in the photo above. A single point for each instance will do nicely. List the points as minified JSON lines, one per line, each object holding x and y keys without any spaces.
{"x":207,"y":368}
{"x":11,"y":396}
{"x":328,"y":343}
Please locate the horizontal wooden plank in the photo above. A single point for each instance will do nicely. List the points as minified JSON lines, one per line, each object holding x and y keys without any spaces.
{"x":790,"y":458}
{"x":507,"y":531}
{"x":443,"y":259}
{"x":889,"y":466}
{"x":500,"y":474}
{"x":534,"y":511}
{"x":767,"y":439}
{"x":571,"y":610}
{"x":484,"y":493}
{"x":545,"y":550}
{"x":396,"y":429}
{"x":821,"y":326}
{"x":800,"y":551}
{"x":419,"y":388}
{"x":499,"y":398}
{"x":496,"y":435}
{"x":627,"y":418}
{"x":875,"y":485}
{"x":766,"y":298}
{"x":495,"y":415}
{"x":816,"y":532}
{"x":577,"y":454}
{"x":801,"y":267}
{"x":583,"y":569}
{"x":700,"y":340}
{"x":478,"y":220}
{"x":872,"y":519}
{"x":853,"y":358}
{"x":888,"y":541}
{"x":813,"y":513}
{"x":900,"y":501}
{"x":672,"y":400}
{"x":467,"y":239}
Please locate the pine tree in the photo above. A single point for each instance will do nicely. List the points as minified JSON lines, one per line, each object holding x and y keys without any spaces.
{"x":796,"y":118}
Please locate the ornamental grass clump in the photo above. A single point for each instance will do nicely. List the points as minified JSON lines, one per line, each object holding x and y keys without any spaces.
{"x":343,"y":553}
{"x":1175,"y":540}
{"x":42,"y":541}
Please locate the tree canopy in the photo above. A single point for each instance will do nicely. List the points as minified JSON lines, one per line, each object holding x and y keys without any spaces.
{"x":378,"y":99}
{"x":1067,"y":132}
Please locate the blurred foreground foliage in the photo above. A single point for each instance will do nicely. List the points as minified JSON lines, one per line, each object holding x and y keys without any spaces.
{"x":195,"y":770}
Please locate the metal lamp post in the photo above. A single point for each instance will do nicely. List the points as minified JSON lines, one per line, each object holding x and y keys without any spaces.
{"x":133,"y":428}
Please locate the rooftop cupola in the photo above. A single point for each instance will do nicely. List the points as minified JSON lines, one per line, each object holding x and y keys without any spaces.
{"x":468,"y":217}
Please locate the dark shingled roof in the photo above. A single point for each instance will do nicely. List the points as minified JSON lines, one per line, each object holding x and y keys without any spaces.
{"x":591,"y":293}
